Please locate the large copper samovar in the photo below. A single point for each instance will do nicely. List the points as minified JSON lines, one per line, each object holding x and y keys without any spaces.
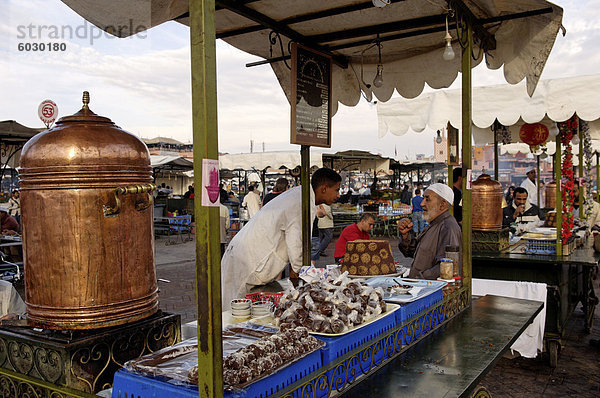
{"x":486,"y":197}
{"x":88,"y":239}
{"x":550,"y":190}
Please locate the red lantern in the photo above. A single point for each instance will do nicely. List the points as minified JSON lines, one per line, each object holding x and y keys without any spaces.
{"x":533,"y":134}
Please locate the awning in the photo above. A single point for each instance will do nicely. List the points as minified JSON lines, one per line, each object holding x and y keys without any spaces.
{"x":265,"y":160}
{"x":553,"y":100}
{"x":515,"y":34}
{"x":171,"y":163}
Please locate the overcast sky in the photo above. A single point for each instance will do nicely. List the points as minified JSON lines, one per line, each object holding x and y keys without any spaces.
{"x":143,"y":83}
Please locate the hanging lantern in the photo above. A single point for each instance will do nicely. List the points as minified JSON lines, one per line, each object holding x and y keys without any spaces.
{"x":534,"y":135}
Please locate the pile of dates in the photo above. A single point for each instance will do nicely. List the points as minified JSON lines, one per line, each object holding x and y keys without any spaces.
{"x":332,"y":308}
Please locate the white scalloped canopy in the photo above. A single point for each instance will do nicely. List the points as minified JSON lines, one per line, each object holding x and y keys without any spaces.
{"x":522,"y":44}
{"x":263,"y":160}
{"x":553,"y":100}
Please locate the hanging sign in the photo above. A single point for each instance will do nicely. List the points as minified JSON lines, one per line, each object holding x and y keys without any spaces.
{"x":48,"y":112}
{"x":311,"y":97}
{"x":210,"y":182}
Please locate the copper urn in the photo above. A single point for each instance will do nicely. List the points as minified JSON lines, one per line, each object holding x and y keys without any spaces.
{"x":550,"y":191}
{"x":88,"y":239}
{"x":486,"y":199}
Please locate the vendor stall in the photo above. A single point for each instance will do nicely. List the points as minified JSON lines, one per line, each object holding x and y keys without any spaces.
{"x":384,"y":330}
{"x":502,"y":114}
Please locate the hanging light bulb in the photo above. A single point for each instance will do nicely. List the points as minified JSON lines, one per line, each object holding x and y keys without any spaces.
{"x":544,"y":155}
{"x":448,"y":51}
{"x":380,"y":3}
{"x":378,"y":80}
{"x":575,"y":140}
{"x":553,"y":131}
{"x":438,"y":139}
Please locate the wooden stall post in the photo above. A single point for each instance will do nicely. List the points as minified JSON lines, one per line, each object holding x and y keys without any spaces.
{"x":306,"y":219}
{"x":537,"y":179}
{"x":467,"y":156}
{"x":557,"y":169}
{"x":581,"y":199}
{"x":496,"y":161}
{"x":597,"y":177}
{"x":208,"y":251}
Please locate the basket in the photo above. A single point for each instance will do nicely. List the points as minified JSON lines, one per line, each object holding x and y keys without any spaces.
{"x":128,"y":385}
{"x":264,"y":296}
{"x":546,"y":246}
{"x":338,"y":346}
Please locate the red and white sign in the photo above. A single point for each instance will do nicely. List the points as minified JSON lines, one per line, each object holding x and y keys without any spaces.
{"x":48,"y":111}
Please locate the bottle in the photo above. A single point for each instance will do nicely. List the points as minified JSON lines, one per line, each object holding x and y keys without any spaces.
{"x":453,"y":253}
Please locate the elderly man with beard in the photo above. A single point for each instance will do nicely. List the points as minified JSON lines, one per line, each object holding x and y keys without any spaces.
{"x":429,"y":247}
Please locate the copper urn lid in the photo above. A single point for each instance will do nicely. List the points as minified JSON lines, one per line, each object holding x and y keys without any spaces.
{"x":486,"y":199}
{"x":88,"y":239}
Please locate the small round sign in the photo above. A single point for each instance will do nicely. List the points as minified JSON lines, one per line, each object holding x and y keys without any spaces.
{"x":48,"y":111}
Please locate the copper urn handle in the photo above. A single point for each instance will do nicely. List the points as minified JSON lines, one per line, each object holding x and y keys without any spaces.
{"x":112,"y":211}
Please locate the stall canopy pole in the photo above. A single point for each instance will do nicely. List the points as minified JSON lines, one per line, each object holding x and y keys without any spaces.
{"x":580,"y":199}
{"x":467,"y":156}
{"x":306,"y":219}
{"x":208,"y":251}
{"x":557,"y":168}
{"x":537,"y":179}
{"x":597,"y":177}
{"x":496,"y":160}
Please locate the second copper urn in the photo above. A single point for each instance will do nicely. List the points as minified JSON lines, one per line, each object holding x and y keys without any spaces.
{"x":86,"y":199}
{"x":486,"y":197}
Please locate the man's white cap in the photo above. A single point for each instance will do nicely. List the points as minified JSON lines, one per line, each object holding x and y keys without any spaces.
{"x":530,"y":169}
{"x":3,"y":208}
{"x":443,"y":190}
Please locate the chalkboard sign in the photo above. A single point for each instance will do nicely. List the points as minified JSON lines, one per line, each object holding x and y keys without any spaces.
{"x":311,"y":91}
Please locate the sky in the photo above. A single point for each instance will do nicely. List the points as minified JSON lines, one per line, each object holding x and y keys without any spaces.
{"x":143,"y":82}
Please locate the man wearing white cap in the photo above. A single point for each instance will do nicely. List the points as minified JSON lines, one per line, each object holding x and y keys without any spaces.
{"x":529,"y":184}
{"x":429,"y":247}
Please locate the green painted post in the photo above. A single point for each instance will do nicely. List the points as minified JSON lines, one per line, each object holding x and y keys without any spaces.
{"x":537,"y":180}
{"x":306,"y":220}
{"x":496,"y":160}
{"x":467,"y":157}
{"x":450,"y":184}
{"x":581,"y":200}
{"x":597,"y":177}
{"x":557,"y":177}
{"x":208,"y":251}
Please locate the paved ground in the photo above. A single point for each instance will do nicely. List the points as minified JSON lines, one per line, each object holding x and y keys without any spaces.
{"x":577,"y":373}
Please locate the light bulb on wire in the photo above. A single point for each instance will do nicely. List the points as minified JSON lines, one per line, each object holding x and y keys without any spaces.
{"x":575,"y":140}
{"x":438,"y":139}
{"x":378,"y":80}
{"x":380,"y":3}
{"x":448,"y":50}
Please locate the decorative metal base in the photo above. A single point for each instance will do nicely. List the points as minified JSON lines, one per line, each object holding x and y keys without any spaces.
{"x":341,"y":375}
{"x":490,"y":241}
{"x":77,"y":360}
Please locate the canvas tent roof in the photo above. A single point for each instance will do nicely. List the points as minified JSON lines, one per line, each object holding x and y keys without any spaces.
{"x":511,"y":33}
{"x":264,"y":160}
{"x":553,"y":100}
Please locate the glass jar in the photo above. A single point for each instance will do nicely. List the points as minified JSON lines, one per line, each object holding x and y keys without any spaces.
{"x":452,"y":252}
{"x":446,"y":268}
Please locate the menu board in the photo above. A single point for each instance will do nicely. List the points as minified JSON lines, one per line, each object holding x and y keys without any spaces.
{"x":311,"y":91}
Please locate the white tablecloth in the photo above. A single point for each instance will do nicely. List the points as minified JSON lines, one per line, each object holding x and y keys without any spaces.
{"x":532,"y":339}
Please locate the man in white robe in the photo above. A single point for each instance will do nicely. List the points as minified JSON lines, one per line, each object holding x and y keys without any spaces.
{"x":529,"y":184}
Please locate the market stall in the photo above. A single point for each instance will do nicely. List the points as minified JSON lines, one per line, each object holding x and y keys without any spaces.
{"x":412,"y":44}
{"x":502,"y":114}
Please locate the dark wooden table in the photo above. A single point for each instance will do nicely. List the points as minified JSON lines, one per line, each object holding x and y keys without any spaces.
{"x":569,"y":281}
{"x":452,"y":361}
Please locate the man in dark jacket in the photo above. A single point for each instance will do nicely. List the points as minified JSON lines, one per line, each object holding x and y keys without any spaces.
{"x":429,"y":247}
{"x":521,"y":210}
{"x":405,"y":196}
